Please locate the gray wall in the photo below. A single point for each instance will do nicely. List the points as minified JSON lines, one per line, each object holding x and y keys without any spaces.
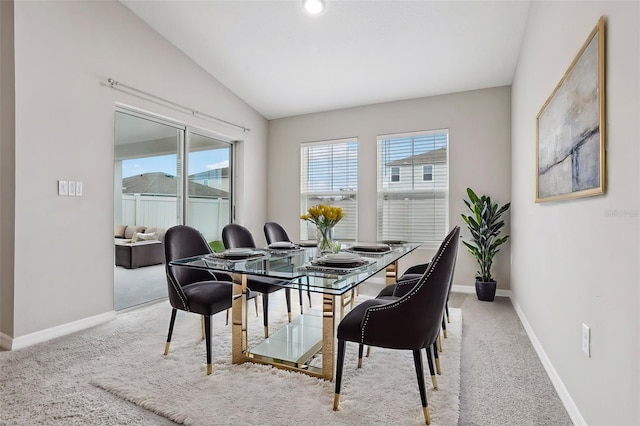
{"x":65,"y":130}
{"x":577,"y":261}
{"x":480,"y":156}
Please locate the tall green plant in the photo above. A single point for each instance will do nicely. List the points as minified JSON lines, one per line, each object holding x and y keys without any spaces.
{"x":485,"y":224}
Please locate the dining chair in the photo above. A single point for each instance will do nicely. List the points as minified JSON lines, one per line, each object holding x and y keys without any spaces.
{"x":274,"y":232}
{"x":237,"y":236}
{"x":409,"y":322}
{"x":191,"y":290}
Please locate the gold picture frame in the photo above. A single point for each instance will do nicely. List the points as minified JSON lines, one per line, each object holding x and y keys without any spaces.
{"x":570,"y":128}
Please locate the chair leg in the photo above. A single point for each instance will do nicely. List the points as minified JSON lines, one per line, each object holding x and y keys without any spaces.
{"x":444,"y":327}
{"x":207,"y":330}
{"x":417,"y":359}
{"x":446,"y":309}
{"x":171,"y":322}
{"x":287,"y":296}
{"x":434,"y":381}
{"x":435,"y":354}
{"x":339,"y":365}
{"x":226,"y":321}
{"x":308,"y":292}
{"x":300,"y":297}
{"x":360,"y":350}
{"x":255,"y":300}
{"x":439,"y":342}
{"x":202,"y":325}
{"x":265,"y":313}
{"x":368,"y":351}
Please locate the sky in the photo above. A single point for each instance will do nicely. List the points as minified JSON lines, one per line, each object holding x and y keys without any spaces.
{"x":198,"y":162}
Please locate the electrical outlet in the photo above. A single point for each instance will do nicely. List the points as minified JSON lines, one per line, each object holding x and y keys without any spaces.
{"x":63,"y":187}
{"x":586,"y":340}
{"x":72,"y":188}
{"x":79,"y":188}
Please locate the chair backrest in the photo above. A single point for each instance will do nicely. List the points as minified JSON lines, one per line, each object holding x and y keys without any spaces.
{"x":237,"y":236}
{"x":413,"y":321}
{"x":274,"y":232}
{"x":182,"y":241}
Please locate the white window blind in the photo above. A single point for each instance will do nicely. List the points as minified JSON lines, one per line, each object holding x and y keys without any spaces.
{"x":413,"y":202}
{"x":329,"y":175}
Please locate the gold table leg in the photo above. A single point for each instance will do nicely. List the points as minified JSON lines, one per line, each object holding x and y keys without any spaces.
{"x":239,"y":343}
{"x":392,"y":273}
{"x":328,"y":334}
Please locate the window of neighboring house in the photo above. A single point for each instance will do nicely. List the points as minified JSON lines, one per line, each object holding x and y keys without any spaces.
{"x":416,"y":207}
{"x":395,"y":174}
{"x":329,"y":175}
{"x":427,"y":173}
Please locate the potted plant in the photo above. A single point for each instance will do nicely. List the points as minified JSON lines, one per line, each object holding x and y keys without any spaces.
{"x":485,"y":225}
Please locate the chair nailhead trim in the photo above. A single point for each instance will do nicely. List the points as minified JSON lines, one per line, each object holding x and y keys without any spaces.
{"x":406,"y":296}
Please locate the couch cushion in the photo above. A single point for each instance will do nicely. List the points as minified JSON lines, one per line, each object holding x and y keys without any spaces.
{"x":118,"y":231}
{"x":132,"y":230}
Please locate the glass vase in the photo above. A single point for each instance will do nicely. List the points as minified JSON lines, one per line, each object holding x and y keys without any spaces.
{"x":324,"y":239}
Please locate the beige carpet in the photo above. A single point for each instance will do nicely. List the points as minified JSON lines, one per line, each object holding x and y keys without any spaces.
{"x":384,"y":391}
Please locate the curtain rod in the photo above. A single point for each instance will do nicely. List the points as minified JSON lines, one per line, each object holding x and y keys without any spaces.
{"x":117,"y":85}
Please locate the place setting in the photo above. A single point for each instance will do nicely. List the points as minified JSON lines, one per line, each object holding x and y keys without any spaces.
{"x":370,"y":248}
{"x":338,"y":262}
{"x":237,"y":254}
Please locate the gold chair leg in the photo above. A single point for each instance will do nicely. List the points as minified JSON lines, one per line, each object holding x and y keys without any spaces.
{"x":166,"y":348}
{"x":439,"y":344}
{"x":438,"y":366}
{"x":266,"y":331}
{"x":427,"y":416}
{"x":359,"y":362}
{"x":368,"y":351}
{"x":336,"y":401}
{"x":209,"y":369}
{"x":227,"y":319}
{"x":444,"y":332}
{"x":289,"y":314}
{"x":434,"y":381}
{"x":202,"y":325}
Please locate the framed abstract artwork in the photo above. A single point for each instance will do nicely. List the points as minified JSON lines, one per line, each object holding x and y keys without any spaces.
{"x":571,"y":133}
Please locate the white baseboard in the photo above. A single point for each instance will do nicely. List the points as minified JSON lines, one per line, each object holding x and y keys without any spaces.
{"x":50,"y":333}
{"x":5,"y":342}
{"x":563,"y":393}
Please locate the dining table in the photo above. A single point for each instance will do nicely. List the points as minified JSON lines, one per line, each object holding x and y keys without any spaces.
{"x":307,"y":343}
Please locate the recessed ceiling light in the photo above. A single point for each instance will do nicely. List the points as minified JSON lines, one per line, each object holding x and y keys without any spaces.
{"x":313,"y":6}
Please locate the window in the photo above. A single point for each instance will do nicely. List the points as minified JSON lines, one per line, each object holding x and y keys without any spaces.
{"x":427,"y":173}
{"x":414,"y":208}
{"x":395,"y":174}
{"x":329,"y":175}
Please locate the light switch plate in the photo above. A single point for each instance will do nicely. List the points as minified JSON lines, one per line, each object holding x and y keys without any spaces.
{"x":63,"y":187}
{"x":72,"y":188}
{"x":78,"y":188}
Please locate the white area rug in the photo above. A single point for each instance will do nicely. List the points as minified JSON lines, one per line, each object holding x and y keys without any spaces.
{"x":383,"y":391}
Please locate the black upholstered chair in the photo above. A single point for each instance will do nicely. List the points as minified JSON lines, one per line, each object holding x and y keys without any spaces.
{"x":192,"y":290}
{"x":410,"y":322}
{"x":237,"y":236}
{"x":274,"y":232}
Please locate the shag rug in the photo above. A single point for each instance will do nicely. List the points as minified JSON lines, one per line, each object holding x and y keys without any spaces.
{"x":383,"y":391}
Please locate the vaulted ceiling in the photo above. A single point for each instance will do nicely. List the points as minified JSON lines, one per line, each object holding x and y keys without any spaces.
{"x":285,"y":62}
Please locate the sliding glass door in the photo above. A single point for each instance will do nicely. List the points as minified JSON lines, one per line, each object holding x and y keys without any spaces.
{"x":165,"y":173}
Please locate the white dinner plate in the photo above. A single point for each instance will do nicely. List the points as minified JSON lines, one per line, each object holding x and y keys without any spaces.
{"x":340,"y":258}
{"x":238,"y":252}
{"x":282,"y":245}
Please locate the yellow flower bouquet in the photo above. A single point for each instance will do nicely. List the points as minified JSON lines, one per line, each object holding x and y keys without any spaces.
{"x":325,"y":218}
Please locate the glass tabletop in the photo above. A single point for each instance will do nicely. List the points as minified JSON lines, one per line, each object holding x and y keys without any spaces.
{"x":300,"y":268}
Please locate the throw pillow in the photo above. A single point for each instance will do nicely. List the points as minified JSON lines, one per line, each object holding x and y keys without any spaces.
{"x":131,"y":231}
{"x":139,"y":236}
{"x":118,"y":231}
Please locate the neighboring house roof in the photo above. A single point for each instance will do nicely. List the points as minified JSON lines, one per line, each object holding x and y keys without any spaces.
{"x":430,"y":157}
{"x":222,"y":172}
{"x":159,"y":183}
